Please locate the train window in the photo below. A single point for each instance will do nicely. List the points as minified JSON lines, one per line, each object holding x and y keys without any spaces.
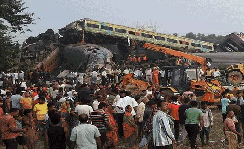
{"x":193,"y":44}
{"x":106,"y":28}
{"x":209,"y":47}
{"x":198,"y":45}
{"x":146,"y":35}
{"x":171,"y":40}
{"x":120,"y":30}
{"x":81,"y":23}
{"x":92,"y":25}
{"x":187,"y":43}
{"x":159,"y":38}
{"x":181,"y":42}
{"x":131,"y":32}
{"x":205,"y":46}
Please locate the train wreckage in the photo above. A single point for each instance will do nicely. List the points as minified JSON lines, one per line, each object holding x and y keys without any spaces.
{"x":86,"y":44}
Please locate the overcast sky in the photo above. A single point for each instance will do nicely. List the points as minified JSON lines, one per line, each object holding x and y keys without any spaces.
{"x":171,"y":16}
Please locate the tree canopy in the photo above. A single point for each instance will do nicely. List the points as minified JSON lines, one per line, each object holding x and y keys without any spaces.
{"x":13,"y":18}
{"x":216,"y":39}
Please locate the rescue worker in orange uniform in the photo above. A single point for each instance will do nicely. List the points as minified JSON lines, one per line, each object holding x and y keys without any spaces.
{"x":155,"y":76}
{"x":134,"y":58}
{"x":139,"y":59}
{"x":145,"y":58}
{"x":130,"y":58}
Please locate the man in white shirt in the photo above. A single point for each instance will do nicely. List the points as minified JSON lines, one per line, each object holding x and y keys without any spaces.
{"x":95,"y":104}
{"x":123,"y":102}
{"x":85,"y":135}
{"x":15,"y":77}
{"x":149,"y":90}
{"x":80,"y":78}
{"x":23,"y":85}
{"x":148,"y":73}
{"x":104,"y":77}
{"x":117,"y":74}
{"x":83,"y":108}
{"x":140,"y":113}
{"x":126,"y":71}
{"x":63,"y":99}
{"x":70,"y":92}
{"x":138,"y":74}
{"x":21,"y":76}
{"x":94,"y":75}
{"x":119,"y":113}
{"x":216,"y":73}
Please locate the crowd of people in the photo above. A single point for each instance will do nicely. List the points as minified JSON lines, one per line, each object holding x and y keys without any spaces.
{"x":233,"y":116}
{"x":66,"y":113}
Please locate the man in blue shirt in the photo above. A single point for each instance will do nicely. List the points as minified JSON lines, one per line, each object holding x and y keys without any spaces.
{"x":15,"y":100}
{"x":224,"y":102}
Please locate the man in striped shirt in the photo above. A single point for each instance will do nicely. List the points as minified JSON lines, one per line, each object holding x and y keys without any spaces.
{"x":100,"y":119}
{"x":163,"y":136}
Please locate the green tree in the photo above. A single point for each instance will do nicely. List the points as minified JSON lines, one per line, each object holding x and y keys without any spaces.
{"x":13,"y":19}
{"x":191,"y":35}
{"x":209,"y":38}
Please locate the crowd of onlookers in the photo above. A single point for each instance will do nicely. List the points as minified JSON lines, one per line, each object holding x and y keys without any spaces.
{"x":68,"y":113}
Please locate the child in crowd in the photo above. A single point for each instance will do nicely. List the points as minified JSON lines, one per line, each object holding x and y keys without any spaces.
{"x":208,"y":122}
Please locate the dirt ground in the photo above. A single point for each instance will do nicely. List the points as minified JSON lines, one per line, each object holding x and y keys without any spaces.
{"x":216,"y":137}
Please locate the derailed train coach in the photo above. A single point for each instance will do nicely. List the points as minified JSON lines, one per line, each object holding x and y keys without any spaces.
{"x":233,"y":42}
{"x":135,"y":36}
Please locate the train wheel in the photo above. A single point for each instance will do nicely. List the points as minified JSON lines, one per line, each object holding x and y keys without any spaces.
{"x":235,"y":77}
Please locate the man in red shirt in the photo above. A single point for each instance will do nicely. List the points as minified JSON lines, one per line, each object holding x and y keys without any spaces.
{"x":9,"y":129}
{"x":174,"y":112}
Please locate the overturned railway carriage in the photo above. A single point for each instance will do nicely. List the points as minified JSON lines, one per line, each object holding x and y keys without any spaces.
{"x":134,"y":36}
{"x":232,"y":43}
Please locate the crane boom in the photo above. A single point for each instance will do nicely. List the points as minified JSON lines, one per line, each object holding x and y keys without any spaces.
{"x":198,"y":59}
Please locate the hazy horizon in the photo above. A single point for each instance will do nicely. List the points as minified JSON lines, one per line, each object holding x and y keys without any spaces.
{"x":219,"y":17}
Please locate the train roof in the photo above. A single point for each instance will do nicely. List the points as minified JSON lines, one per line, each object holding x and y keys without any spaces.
{"x":145,"y":31}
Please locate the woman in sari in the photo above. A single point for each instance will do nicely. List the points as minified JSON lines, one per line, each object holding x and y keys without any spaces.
{"x":130,"y":129}
{"x":112,"y":136}
{"x":29,"y":124}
